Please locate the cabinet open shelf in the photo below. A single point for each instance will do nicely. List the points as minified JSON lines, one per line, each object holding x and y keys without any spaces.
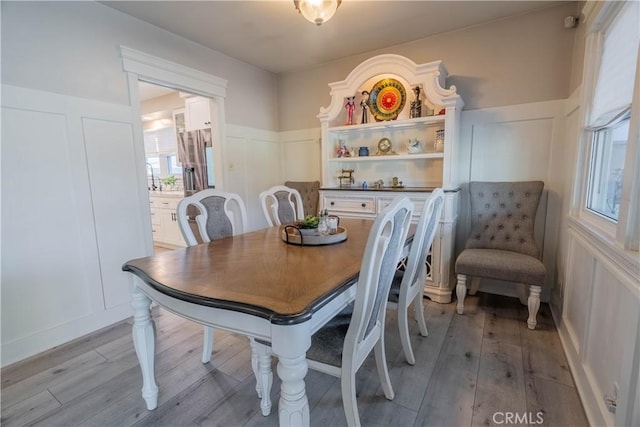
{"x":389,"y":158}
{"x":430,"y":120}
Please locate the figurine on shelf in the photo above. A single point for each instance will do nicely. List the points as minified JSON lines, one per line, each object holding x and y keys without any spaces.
{"x":438,"y":145}
{"x":342,"y":149}
{"x":414,"y":146}
{"x":416,"y":106}
{"x":350,"y":106}
{"x":365,"y":106}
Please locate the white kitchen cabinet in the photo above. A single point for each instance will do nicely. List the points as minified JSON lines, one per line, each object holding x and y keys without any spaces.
{"x":164,"y":221}
{"x":197,"y":113}
{"x":414,"y":173}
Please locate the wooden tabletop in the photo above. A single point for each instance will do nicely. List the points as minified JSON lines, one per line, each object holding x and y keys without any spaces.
{"x":258,"y":273}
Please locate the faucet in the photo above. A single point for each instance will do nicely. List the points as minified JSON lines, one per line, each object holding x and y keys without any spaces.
{"x":153,"y":179}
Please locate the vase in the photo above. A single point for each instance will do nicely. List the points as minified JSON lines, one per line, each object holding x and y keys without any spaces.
{"x":363,"y":152}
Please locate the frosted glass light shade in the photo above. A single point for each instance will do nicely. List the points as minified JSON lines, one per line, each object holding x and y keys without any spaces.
{"x":317,"y":11}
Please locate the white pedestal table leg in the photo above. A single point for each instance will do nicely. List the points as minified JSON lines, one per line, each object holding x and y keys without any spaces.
{"x":144,"y":343}
{"x":290,"y":344}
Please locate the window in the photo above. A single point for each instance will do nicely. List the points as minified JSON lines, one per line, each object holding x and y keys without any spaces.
{"x":612,"y":50}
{"x":607,"y":169}
{"x":173,"y":165}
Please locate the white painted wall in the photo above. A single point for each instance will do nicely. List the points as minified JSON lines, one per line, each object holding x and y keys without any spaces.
{"x":74,"y":205}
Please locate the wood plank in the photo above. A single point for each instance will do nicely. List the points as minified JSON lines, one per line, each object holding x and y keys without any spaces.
{"x":450,"y":396}
{"x":239,"y":408}
{"x":410,"y":382}
{"x":542,"y":350}
{"x":500,"y":382}
{"x":128,"y":384}
{"x":558,"y":404}
{"x":30,"y":386}
{"x":80,"y":383}
{"x":187,"y":370}
{"x":181,"y":410}
{"x":504,"y":315}
{"x":28,"y":410}
{"x":60,"y":355}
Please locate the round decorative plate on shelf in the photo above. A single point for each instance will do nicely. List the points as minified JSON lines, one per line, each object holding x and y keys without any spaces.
{"x":387,"y":99}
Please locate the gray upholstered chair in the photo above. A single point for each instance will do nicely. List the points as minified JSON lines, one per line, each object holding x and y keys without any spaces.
{"x":310,"y":193}
{"x":407,"y":287}
{"x":502,"y":245}
{"x":281,"y":205}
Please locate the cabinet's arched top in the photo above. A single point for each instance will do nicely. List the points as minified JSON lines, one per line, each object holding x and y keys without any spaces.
{"x":431,"y":76}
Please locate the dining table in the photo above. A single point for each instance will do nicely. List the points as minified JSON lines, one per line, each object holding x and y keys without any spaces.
{"x":255,"y":284}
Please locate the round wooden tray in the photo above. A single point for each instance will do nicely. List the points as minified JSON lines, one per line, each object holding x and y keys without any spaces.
{"x":310,"y":237}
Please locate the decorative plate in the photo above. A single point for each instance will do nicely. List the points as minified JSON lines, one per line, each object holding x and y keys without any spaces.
{"x":387,"y":99}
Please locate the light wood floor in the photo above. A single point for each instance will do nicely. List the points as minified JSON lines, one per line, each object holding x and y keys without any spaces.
{"x":468,"y":368}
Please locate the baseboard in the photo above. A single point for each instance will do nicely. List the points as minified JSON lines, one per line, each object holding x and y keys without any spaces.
{"x":31,"y":345}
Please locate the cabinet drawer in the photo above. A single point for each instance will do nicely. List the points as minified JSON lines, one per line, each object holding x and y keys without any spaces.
{"x":164,"y":202}
{"x":155,"y":216}
{"x":365,"y":205}
{"x":418,"y":205}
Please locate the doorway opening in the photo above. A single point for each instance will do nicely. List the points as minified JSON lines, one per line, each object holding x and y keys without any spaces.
{"x":203,"y":109}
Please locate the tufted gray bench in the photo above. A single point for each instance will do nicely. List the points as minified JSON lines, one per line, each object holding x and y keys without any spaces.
{"x":501,"y":245}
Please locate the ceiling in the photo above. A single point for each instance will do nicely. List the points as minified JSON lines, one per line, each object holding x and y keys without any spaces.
{"x":273,"y":36}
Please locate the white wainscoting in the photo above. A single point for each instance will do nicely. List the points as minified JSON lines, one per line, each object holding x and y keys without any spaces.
{"x":72,"y":213}
{"x":516,"y":143}
{"x":301,"y":159}
{"x":254,"y":164}
{"x":599,"y":328}
{"x":596,"y":304}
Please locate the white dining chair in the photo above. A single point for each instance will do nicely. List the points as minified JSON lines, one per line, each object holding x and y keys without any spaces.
{"x":281,"y":205}
{"x":407,"y":287}
{"x":341,"y":346}
{"x":217,"y":214}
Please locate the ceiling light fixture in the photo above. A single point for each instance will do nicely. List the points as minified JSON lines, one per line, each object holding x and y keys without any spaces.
{"x":317,"y":11}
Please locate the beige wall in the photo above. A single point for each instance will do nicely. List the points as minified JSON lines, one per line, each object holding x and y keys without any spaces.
{"x":72,"y":48}
{"x":578,"y":49}
{"x":170,"y":101}
{"x":523,"y":59}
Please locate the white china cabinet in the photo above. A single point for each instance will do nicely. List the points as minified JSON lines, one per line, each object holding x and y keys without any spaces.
{"x":421,"y":155}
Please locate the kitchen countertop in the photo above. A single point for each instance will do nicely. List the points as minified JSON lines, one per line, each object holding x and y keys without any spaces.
{"x":175,"y":194}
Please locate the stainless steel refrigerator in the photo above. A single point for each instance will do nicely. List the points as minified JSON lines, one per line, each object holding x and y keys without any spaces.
{"x":195,"y":151}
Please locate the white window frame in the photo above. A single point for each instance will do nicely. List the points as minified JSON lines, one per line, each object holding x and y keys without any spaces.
{"x":622,"y":235}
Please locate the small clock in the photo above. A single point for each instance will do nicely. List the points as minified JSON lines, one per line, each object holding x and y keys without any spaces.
{"x":384,"y":147}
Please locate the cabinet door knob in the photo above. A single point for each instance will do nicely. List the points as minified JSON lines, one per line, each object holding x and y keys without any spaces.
{"x":364,"y":205}
{"x":333,"y":203}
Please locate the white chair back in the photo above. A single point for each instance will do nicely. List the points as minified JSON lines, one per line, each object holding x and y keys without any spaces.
{"x":381,"y":256}
{"x":281,"y":205}
{"x":416,"y":269}
{"x":221,"y":214}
